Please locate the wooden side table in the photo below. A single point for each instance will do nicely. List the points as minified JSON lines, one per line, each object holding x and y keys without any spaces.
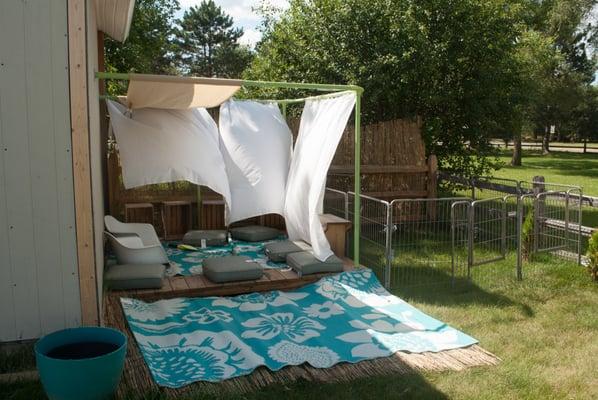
{"x":176,"y":219}
{"x":336,"y":229}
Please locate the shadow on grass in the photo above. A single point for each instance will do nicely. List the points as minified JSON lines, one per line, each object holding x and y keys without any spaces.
{"x":435,"y":286}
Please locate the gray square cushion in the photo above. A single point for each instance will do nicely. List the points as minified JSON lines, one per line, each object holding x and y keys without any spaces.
{"x":211,"y":238}
{"x":231,"y":269}
{"x":134,"y":276}
{"x":278,"y":251}
{"x":254,"y":233}
{"x":304,"y":263}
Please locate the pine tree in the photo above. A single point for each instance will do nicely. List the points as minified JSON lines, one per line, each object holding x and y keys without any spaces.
{"x":207,"y":43}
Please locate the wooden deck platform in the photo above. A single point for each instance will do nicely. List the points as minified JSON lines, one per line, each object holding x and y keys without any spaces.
{"x":200,"y":286}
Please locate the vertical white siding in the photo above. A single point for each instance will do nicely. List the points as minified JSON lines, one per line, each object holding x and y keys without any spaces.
{"x":39,"y":289}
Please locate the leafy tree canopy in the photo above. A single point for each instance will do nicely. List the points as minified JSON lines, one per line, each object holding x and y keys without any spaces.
{"x":449,"y":62}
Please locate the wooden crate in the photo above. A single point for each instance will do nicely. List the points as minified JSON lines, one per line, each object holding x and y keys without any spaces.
{"x":273,"y":221}
{"x":177,"y":219}
{"x":139,"y":212}
{"x":212,"y":214}
{"x":335,"y":229}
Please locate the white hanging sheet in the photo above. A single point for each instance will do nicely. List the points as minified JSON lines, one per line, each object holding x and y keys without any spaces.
{"x":256,"y":145}
{"x":159,"y":146}
{"x":322,"y":124}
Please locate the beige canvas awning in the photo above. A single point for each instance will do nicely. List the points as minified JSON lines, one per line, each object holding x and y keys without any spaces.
{"x":178,"y":93}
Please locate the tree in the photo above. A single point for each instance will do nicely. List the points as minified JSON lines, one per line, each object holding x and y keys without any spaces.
{"x":450,"y":63}
{"x":568,"y":24}
{"x":536,"y":60}
{"x":208,"y":43}
{"x":148,"y":49}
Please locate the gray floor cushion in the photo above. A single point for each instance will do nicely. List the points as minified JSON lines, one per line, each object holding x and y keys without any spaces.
{"x":254,"y":233}
{"x":304,"y":263}
{"x":134,"y":276}
{"x":206,"y":238}
{"x":231,"y":269}
{"x":278,"y":251}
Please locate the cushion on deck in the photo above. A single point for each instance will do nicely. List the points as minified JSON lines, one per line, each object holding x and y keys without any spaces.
{"x":254,"y":233}
{"x":305,"y":263}
{"x":278,"y":251}
{"x":209,"y":237}
{"x":231,"y":269}
{"x":134,"y":276}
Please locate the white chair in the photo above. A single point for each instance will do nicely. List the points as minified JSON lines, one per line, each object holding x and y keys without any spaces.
{"x":130,"y":249}
{"x":145,"y":232}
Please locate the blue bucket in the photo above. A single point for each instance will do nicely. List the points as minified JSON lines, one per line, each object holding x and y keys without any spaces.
{"x":92,"y":374}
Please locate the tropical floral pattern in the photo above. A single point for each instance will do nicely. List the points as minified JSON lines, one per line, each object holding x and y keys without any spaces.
{"x":348,"y":317}
{"x":188,"y":263}
{"x":266,"y":327}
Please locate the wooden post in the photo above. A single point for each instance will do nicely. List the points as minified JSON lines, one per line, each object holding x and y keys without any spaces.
{"x":538,"y":187}
{"x":81,"y":161}
{"x":432,"y":185}
{"x":114,"y":189}
{"x":104,"y":122}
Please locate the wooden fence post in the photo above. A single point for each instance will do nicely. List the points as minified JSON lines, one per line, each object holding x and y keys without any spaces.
{"x":113,"y":171}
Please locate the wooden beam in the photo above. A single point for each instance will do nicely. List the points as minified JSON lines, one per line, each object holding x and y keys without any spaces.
{"x":404,"y":194}
{"x":81,"y":161}
{"x":378,"y":169}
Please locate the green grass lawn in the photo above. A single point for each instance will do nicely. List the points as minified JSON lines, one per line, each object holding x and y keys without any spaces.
{"x":558,"y":167}
{"x":543,"y":329}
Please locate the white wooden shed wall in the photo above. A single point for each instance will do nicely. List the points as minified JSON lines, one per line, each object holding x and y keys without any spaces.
{"x":39,"y":283}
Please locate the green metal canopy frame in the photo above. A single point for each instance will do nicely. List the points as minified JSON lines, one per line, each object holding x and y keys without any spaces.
{"x":283,"y":103}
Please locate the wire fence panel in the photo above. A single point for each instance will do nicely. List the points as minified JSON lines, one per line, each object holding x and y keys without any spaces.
{"x":336,"y":202}
{"x":373,"y":235}
{"x":488,"y":225}
{"x":423,"y":245}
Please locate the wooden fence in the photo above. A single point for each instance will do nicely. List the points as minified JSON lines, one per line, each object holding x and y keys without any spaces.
{"x":393,"y":165}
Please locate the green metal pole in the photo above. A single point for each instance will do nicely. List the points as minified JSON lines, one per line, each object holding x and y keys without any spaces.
{"x":198,"y":207}
{"x":284,"y":110}
{"x":357,"y":190}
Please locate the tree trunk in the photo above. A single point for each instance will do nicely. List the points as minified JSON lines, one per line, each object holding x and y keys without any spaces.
{"x":585,"y":145}
{"x":546,"y":140}
{"x":516,"y":159}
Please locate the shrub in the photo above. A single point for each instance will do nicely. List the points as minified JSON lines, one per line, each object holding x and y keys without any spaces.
{"x":527,"y":236}
{"x":592,"y":254}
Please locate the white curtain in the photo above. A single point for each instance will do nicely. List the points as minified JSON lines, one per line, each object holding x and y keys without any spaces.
{"x":322,"y":124}
{"x":256,"y":145}
{"x":158,"y":146}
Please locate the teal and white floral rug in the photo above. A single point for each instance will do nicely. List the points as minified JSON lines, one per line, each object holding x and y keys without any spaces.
{"x":188,"y":263}
{"x":348,"y":317}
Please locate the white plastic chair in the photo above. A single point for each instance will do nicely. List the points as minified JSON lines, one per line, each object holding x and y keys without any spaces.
{"x":145,"y":232}
{"x":130,"y":249}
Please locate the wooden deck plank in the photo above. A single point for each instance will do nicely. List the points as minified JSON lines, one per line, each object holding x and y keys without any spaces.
{"x":289,"y":274}
{"x":274,"y":275}
{"x":200,"y":286}
{"x":195,"y":282}
{"x":178,"y":283}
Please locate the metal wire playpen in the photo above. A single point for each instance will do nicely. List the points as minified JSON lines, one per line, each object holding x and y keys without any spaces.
{"x":482,"y":235}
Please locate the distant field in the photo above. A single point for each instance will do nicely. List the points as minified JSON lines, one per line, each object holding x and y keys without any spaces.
{"x":558,"y":167}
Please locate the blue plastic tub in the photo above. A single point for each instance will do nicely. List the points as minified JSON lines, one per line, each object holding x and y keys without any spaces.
{"x":92,"y":374}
